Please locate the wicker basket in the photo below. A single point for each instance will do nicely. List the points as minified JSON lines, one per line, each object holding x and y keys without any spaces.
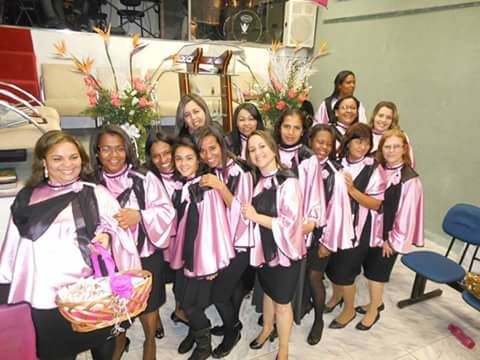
{"x":87,"y":316}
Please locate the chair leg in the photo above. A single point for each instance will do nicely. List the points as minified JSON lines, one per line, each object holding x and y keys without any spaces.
{"x":418,"y":293}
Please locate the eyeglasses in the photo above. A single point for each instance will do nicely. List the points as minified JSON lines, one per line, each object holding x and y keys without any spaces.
{"x":392,"y":147}
{"x":345,"y":108}
{"x":111,"y":149}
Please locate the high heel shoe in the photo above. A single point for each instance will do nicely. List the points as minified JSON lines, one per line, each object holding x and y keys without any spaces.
{"x":329,"y":309}
{"x":255,"y":345}
{"x":160,"y":333}
{"x":361,"y":309}
{"x":362,"y":327}
{"x":337,"y":325}
{"x":177,"y":319}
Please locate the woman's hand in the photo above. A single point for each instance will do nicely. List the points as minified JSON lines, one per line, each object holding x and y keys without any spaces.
{"x":212,"y":181}
{"x":128,"y":217}
{"x":249,"y":212}
{"x":348,"y":180}
{"x":323,"y":251}
{"x":101,"y":238}
{"x":387,"y":250}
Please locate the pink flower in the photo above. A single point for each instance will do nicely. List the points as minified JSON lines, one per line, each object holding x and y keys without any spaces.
{"x":91,"y":93}
{"x":77,"y":187}
{"x":276,"y":85}
{"x":280,"y":105}
{"x":92,"y":100}
{"x":143,"y":102}
{"x":115,"y":100}
{"x":266,"y":107}
{"x":292,"y":93}
{"x":246,"y":92}
{"x":302,"y":97}
{"x":139,"y":85}
{"x":325,"y":174}
{"x":89,"y":82}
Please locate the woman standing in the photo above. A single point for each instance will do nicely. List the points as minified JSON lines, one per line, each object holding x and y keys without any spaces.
{"x":55,"y":218}
{"x":233,"y":180}
{"x":203,"y":246}
{"x":246,"y":119}
{"x":402,"y":220}
{"x":346,"y":114}
{"x":343,"y":85}
{"x":192,"y":114}
{"x":366,"y":185}
{"x":290,"y":133}
{"x":276,"y":212}
{"x":322,"y":185}
{"x":147,"y":213}
{"x":385,"y":117}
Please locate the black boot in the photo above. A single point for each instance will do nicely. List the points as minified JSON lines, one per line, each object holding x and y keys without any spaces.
{"x":231,"y":338}
{"x":187,"y":344}
{"x":203,"y":350}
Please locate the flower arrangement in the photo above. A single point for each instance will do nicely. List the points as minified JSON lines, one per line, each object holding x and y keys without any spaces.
{"x":287,"y":83}
{"x":133,"y":107}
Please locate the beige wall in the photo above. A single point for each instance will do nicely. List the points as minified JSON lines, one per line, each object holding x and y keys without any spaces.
{"x":428,"y":63}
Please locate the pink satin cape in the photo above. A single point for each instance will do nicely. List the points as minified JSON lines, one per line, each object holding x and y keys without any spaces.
{"x":37,"y":269}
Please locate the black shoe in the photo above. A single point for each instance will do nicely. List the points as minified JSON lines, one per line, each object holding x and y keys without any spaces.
{"x":220,"y":330}
{"x":328,"y":309}
{"x":315,"y":334}
{"x":362,"y":327}
{"x":160,"y":333}
{"x":255,"y":345}
{"x":187,"y":344}
{"x":260,"y":320}
{"x":226,"y":346}
{"x":176,"y":319}
{"x":203,"y":350}
{"x":336,"y":325}
{"x":361,"y":309}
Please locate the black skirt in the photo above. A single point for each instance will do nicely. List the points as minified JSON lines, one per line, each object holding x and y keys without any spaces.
{"x":376,"y":267}
{"x":229,"y":278}
{"x":279,"y":282}
{"x":315,"y":262}
{"x":56,"y":338}
{"x":155,"y":264}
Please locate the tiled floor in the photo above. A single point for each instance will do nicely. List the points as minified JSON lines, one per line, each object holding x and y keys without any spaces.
{"x":416,"y":332}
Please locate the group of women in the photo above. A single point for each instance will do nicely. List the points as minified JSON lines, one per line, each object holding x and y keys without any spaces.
{"x":214,"y":214}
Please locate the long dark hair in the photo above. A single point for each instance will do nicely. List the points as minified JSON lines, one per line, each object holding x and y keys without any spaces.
{"x":339,"y":79}
{"x":214,"y":130}
{"x":235,"y":138}
{"x":290,"y":112}
{"x":181,"y":127}
{"x":155,"y":135}
{"x":44,"y":144}
{"x":187,"y":142}
{"x":131,"y":154}
{"x":356,"y":131}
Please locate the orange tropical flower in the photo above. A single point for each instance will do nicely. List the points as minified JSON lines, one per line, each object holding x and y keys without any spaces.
{"x":61,"y":48}
{"x":136,"y":40}
{"x":105,"y":34}
{"x":276,"y":45}
{"x":84,"y":66}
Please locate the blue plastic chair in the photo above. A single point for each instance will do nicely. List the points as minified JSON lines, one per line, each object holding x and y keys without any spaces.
{"x":471,"y":300}
{"x":462,"y":222}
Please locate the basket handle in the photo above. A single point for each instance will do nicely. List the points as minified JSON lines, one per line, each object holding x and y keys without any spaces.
{"x":107,"y":259}
{"x":121,"y":285}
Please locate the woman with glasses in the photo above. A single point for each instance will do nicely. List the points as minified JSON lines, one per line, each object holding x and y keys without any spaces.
{"x":344,"y":85}
{"x":146,"y":212}
{"x":345,"y":115}
{"x":401,"y":222}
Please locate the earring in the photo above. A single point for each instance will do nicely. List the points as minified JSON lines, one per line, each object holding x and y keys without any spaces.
{"x":45,"y":172}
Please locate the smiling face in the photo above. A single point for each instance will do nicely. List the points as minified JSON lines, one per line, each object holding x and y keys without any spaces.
{"x":186,"y":161}
{"x":393,"y":151}
{"x":161,"y":155}
{"x":291,"y":130}
{"x":260,"y":154}
{"x":322,"y":144}
{"x":211,"y":152}
{"x":358,"y":148}
{"x":246,"y":123}
{"x":347,"y":86}
{"x":347,"y":112}
{"x":112,"y":153}
{"x":383,"y":119}
{"x":63,"y":163}
{"x":194,"y":116}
